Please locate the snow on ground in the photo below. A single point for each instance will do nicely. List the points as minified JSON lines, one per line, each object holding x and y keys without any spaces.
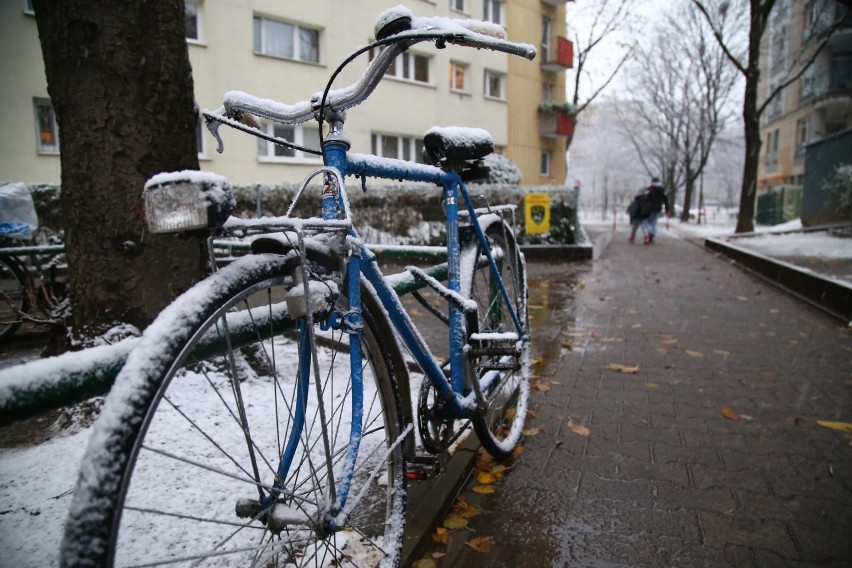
{"x":36,"y":484}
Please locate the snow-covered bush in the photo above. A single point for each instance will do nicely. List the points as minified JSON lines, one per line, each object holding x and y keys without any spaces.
{"x":502,"y":170}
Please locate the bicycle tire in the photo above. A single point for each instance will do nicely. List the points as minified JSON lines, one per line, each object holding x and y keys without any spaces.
{"x":152,"y":483}
{"x":506,"y":391}
{"x":13,"y":297}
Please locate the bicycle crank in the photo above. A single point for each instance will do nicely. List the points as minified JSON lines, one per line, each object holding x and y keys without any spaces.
{"x":436,"y":431}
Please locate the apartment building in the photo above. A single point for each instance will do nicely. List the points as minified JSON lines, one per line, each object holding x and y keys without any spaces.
{"x":537,"y":128}
{"x":287,"y":51}
{"x":813,"y":107}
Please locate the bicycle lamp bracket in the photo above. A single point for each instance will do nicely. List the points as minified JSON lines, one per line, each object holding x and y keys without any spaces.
{"x":186,"y":201}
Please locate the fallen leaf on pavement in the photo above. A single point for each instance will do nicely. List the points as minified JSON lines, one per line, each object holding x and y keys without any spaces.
{"x":668,"y":341}
{"x":483,"y":489}
{"x":730,"y":413}
{"x":839,"y":426}
{"x":481,"y":543}
{"x":721,"y":352}
{"x":531,"y":431}
{"x":696,"y":354}
{"x":652,"y":385}
{"x":578,"y":428}
{"x":542,"y":386}
{"x":454,"y":523}
{"x":424,"y":563}
{"x":440,"y":536}
{"x":486,"y":478}
{"x":619,"y":368}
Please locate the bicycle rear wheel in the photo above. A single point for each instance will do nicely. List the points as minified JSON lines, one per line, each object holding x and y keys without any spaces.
{"x":13,"y":297}
{"x":502,"y":366}
{"x":185,"y":467}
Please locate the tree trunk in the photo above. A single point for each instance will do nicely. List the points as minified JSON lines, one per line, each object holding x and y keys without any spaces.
{"x":120,"y":81}
{"x":748,"y":192}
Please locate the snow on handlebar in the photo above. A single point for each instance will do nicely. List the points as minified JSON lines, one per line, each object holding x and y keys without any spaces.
{"x":397,"y":24}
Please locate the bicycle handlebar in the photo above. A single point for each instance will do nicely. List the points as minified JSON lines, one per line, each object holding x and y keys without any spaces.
{"x":467,"y":33}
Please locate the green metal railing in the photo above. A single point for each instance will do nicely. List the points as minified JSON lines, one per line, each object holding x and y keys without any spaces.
{"x":46,"y":384}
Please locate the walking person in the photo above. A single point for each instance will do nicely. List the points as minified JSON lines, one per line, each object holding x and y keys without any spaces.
{"x":656,"y":201}
{"x":638,"y":213}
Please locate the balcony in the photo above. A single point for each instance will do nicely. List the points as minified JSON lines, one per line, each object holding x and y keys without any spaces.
{"x":564,"y":56}
{"x":555,"y":123}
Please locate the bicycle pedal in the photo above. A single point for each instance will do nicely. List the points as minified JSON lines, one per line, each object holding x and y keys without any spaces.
{"x":483,"y":344}
{"x":426,"y":466}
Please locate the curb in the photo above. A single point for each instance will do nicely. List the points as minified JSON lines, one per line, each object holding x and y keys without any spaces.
{"x":430,"y":499}
{"x":831,"y":296}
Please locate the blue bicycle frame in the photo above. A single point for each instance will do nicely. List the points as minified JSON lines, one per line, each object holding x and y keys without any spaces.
{"x":450,"y":392}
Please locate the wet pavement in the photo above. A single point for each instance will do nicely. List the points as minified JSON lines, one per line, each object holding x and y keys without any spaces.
{"x":674,"y":423}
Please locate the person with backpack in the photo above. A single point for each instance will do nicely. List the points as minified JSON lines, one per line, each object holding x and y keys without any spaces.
{"x":637,"y":211}
{"x":656,"y":201}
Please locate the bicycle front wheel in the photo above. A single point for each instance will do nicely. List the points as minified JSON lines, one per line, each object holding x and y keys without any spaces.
{"x":13,"y":297}
{"x":501,"y":365}
{"x":217,"y":446}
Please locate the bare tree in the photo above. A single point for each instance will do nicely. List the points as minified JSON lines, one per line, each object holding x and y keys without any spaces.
{"x":606,"y":19}
{"x":746,"y":60}
{"x":682,"y":90}
{"x":119,"y":78}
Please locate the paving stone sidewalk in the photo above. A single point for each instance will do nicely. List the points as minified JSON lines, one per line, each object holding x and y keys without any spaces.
{"x":708,"y":455}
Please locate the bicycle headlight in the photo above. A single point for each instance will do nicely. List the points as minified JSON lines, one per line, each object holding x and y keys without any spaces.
{"x":186,"y":201}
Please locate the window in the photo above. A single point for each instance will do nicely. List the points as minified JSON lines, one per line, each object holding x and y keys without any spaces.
{"x":408,"y":66}
{"x":494,"y":85}
{"x":772,"y":148}
{"x":458,"y":76}
{"x":545,"y":164}
{"x":493,"y":11}
{"x":300,"y":135}
{"x":193,"y":21}
{"x":546,"y":27}
{"x":547,"y":92}
{"x":801,"y":136}
{"x":47,"y":131}
{"x":28,"y":7}
{"x":457,"y":5}
{"x":399,"y":147}
{"x":282,"y":39}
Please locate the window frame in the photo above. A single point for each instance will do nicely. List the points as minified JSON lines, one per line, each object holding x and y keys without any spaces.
{"x":488,"y":11}
{"x":802,"y":133}
{"x":486,"y":91}
{"x":41,"y":147}
{"x":545,"y":163}
{"x":199,"y":30}
{"x":28,"y":8}
{"x":260,"y":47}
{"x":397,"y":68}
{"x":298,"y":138}
{"x":456,"y":66}
{"x":458,"y":6}
{"x":414,"y":144}
{"x":546,"y":39}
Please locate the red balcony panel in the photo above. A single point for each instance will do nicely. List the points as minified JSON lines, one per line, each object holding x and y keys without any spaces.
{"x":565,"y":123}
{"x":565,"y":52}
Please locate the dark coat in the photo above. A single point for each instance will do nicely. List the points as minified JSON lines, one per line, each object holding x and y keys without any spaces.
{"x":657,"y":199}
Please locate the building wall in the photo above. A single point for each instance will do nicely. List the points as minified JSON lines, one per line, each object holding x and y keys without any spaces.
{"x":22,"y":68}
{"x":223,"y":59}
{"x":807,"y":101}
{"x":526,"y":78}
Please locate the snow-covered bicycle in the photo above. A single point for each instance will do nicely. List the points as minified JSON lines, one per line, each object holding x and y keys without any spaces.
{"x":266,"y":417}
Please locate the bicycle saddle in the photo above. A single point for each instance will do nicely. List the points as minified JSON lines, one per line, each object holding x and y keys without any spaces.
{"x":456,"y":144}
